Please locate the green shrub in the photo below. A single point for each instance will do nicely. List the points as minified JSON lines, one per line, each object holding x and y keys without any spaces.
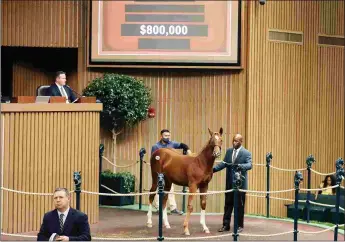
{"x":125,"y":100}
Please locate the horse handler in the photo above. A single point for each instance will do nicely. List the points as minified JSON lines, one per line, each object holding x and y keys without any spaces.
{"x":165,"y":142}
{"x":236,"y":158}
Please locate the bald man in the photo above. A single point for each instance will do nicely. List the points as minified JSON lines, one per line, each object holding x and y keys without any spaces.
{"x":235,"y":157}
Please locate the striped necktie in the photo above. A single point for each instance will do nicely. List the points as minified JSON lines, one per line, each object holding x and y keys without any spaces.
{"x":61,"y":222}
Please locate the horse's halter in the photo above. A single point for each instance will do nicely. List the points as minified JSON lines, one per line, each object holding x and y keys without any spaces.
{"x":216,"y":153}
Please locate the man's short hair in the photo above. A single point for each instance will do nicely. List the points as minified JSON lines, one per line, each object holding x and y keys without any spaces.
{"x":62,"y":189}
{"x":58,"y":73}
{"x":164,"y":130}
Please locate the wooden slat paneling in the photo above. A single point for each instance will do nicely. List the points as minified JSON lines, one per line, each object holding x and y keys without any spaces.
{"x":290,"y":102}
{"x":26,"y":79}
{"x":331,"y":21}
{"x":40,"y":23}
{"x":40,"y":154}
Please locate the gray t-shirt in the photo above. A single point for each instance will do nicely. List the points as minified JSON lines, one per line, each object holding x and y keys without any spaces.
{"x":171,"y":144}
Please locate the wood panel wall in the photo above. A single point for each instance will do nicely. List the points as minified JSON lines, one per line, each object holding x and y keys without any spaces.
{"x":41,"y":152}
{"x":283,"y":100}
{"x":40,"y":23}
{"x":295,"y":94}
{"x":27,"y":78}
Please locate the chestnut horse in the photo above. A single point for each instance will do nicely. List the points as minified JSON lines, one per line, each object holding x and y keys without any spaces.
{"x":183,"y":170}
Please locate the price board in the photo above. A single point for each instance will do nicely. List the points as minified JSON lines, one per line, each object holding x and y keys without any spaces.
{"x":183,"y":32}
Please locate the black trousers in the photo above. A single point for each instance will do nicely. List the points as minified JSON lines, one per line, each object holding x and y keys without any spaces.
{"x":229,"y":205}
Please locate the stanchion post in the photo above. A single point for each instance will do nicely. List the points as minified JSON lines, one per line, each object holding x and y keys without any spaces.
{"x":101,"y":151}
{"x":160,"y":210}
{"x":297,"y":180}
{"x":339,"y":177}
{"x":142,"y":152}
{"x":310,"y":160}
{"x":77,"y":187}
{"x":268,"y":163}
{"x":237,"y":182}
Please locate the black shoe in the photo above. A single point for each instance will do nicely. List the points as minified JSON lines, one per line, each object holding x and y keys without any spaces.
{"x":224,"y":228}
{"x":239,"y":230}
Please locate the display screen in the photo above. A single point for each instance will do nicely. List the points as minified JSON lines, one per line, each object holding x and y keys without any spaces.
{"x":175,"y":32}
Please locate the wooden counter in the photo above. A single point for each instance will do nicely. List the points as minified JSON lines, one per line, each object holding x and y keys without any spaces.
{"x":42,"y":145}
{"x":51,"y":107}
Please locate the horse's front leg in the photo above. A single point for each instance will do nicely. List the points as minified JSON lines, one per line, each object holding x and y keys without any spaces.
{"x":203,"y":209}
{"x":192,"y":189}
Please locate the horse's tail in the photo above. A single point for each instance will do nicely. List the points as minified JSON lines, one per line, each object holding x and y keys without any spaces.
{"x":155,"y":169}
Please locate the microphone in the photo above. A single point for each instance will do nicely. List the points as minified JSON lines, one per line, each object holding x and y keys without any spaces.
{"x":97,"y":101}
{"x":74,"y":91}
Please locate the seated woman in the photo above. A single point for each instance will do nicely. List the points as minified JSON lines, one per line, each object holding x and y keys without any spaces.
{"x":328,"y":182}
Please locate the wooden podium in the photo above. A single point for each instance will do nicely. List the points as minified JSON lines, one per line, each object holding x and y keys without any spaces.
{"x":42,"y":145}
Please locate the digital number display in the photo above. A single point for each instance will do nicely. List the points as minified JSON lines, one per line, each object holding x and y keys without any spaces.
{"x":165,"y":32}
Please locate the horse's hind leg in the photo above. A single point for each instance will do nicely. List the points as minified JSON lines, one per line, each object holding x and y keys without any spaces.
{"x":203,"y":208}
{"x":151,"y":198}
{"x":192,"y":189}
{"x":165,"y":198}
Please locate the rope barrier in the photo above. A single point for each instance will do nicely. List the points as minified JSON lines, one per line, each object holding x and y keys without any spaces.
{"x":252,"y":195}
{"x":322,"y":204}
{"x":29,"y":193}
{"x":19,"y":235}
{"x":119,"y":194}
{"x":109,"y":189}
{"x":319,"y":232}
{"x":287,"y":199}
{"x":93,"y":238}
{"x":266,"y":235}
{"x":121,"y":239}
{"x":200,"y":193}
{"x":199,"y":238}
{"x":322,"y":174}
{"x":318,"y":189}
{"x":120,"y":166}
{"x":265,"y":192}
{"x":283,"y":169}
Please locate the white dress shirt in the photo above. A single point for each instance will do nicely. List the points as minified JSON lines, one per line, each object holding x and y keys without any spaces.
{"x":63,"y":92}
{"x":65,"y":214}
{"x":233,"y":153}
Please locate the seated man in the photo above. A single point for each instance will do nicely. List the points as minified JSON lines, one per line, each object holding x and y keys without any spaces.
{"x":59,"y":88}
{"x":64,"y":223}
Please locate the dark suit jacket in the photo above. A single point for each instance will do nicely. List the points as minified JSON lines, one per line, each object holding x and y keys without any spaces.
{"x":244,"y":157}
{"x":76,"y":226}
{"x":53,"y":90}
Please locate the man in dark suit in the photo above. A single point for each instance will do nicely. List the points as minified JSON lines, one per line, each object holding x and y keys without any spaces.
{"x":235,"y":158}
{"x":59,"y":88}
{"x":64,"y":223}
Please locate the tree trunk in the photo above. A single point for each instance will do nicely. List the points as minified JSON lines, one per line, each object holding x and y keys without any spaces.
{"x":114,"y":149}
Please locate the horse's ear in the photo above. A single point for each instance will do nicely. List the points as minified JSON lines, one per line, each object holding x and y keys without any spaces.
{"x":221,"y":131}
{"x":211,"y":133}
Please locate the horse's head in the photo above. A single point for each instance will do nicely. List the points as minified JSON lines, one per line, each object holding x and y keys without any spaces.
{"x":216,"y":142}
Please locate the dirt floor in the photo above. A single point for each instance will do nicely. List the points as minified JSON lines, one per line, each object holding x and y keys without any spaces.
{"x":120,"y":223}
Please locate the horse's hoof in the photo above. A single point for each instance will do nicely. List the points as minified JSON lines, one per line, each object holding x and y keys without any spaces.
{"x":186,"y":233}
{"x":167,"y":226}
{"x":149,"y":225}
{"x":207,"y":231}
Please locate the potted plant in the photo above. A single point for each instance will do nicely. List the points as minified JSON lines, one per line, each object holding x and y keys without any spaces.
{"x":125,"y":100}
{"x":120,"y":182}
